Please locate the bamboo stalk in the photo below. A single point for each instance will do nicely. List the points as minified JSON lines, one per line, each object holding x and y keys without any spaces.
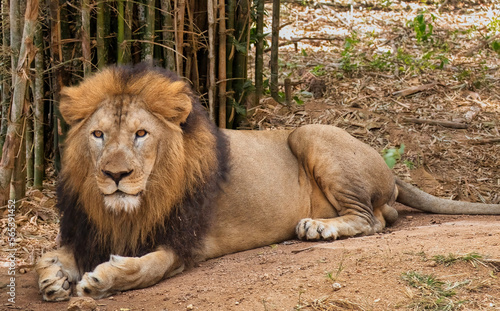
{"x":192,"y":70}
{"x":39,"y":113}
{"x":60,"y":127}
{"x":168,"y":34}
{"x":189,"y":49}
{"x":12,"y":141}
{"x":18,"y":182}
{"x":127,"y":58}
{"x":102,"y":33}
{"x":230,"y":51}
{"x":6,"y":72}
{"x":17,"y":179}
{"x":120,"y":33}
{"x":211,"y":59}
{"x":259,"y":53}
{"x":241,"y":57}
{"x":149,"y":32}
{"x":222,"y":64}
{"x":57,"y":150}
{"x":87,"y":61}
{"x":273,"y":85}
{"x":230,"y":21}
{"x":67,"y":49}
{"x":179,"y":9}
{"x":16,"y":30}
{"x":29,"y":149}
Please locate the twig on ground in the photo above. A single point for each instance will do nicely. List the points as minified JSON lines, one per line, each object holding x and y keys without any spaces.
{"x":484,"y":141}
{"x":414,"y":89}
{"x":450,"y":124}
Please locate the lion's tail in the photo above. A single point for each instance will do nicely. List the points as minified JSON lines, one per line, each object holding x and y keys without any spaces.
{"x":416,"y":198}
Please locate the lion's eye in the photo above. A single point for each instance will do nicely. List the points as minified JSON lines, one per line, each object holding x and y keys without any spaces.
{"x":98,"y":134}
{"x":141,"y":133}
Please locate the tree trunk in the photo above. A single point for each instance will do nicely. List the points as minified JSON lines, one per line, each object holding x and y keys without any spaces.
{"x":20,"y":78}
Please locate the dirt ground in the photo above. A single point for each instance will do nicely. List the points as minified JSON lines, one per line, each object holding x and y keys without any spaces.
{"x":362,"y":69}
{"x":294,"y":275}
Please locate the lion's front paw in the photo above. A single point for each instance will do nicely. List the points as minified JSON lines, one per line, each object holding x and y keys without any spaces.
{"x":107,"y":278}
{"x":91,"y":285}
{"x":53,"y":284}
{"x":310,"y":229}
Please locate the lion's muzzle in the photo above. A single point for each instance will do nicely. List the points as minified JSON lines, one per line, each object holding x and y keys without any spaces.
{"x":117,"y":176}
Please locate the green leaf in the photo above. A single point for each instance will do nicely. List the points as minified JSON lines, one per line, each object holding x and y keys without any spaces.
{"x":401,"y":149}
{"x":240,"y":47}
{"x":495,"y":45}
{"x":390,"y":162}
{"x":298,"y":100}
{"x":391,"y":156}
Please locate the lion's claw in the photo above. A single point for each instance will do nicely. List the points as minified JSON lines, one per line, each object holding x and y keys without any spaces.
{"x":310,"y":229}
{"x":55,"y":288}
{"x":92,"y":286}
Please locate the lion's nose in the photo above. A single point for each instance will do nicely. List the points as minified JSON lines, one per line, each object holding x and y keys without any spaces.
{"x":117,"y":176}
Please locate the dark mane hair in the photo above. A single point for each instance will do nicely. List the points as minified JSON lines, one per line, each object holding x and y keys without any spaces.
{"x":183,"y":225}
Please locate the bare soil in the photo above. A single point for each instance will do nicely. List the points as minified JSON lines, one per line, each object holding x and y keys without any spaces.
{"x":295,"y":274}
{"x":371,"y":100}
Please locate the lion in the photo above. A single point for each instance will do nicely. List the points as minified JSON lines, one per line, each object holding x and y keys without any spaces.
{"x":150,"y":186}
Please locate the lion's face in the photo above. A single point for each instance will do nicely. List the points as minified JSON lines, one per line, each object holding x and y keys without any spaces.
{"x":123,"y":144}
{"x":120,"y":126}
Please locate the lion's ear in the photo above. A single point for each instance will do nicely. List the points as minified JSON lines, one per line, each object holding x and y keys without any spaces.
{"x":73,"y":105}
{"x":172,"y":100}
{"x":79,"y":102}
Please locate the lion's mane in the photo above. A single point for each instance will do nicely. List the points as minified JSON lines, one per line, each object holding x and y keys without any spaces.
{"x":177,"y":205}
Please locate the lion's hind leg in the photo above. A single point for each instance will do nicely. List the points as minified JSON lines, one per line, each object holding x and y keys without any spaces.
{"x":352,"y":187}
{"x":57,"y":272}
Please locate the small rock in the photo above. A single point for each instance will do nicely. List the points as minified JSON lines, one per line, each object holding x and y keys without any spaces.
{"x":190,"y":307}
{"x":82,"y":304}
{"x":336,"y":286}
{"x":432,"y":263}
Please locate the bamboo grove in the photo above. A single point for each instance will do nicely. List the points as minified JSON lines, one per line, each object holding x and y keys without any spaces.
{"x":47,"y":45}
